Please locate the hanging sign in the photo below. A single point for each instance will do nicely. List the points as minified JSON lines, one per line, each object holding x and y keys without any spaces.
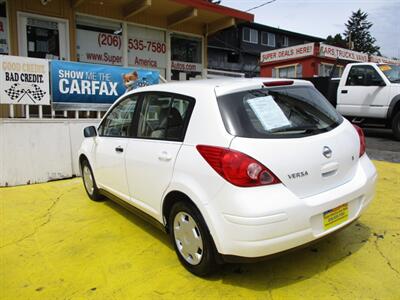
{"x":384,"y":60}
{"x":341,"y":53}
{"x":287,"y":53}
{"x":24,"y":80}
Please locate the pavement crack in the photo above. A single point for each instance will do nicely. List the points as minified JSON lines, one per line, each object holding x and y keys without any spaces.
{"x":385,"y":258}
{"x":47,"y":215}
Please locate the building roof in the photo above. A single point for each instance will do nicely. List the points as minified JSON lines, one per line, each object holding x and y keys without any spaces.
{"x":271,"y":29}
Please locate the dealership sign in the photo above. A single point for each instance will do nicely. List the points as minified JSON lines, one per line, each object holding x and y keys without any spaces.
{"x":147,"y":53}
{"x":287,"y":53}
{"x":186,"y":66}
{"x":88,"y":83}
{"x":24,"y":80}
{"x":341,"y":53}
{"x":384,"y":60}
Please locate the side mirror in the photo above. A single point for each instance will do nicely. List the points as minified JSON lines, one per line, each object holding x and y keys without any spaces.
{"x":89,"y":131}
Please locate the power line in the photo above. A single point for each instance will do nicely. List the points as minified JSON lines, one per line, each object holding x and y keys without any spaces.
{"x":261,"y":5}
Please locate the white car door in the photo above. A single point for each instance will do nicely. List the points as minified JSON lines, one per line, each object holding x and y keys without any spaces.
{"x":151,"y":155}
{"x":110,"y":148}
{"x":364,"y":94}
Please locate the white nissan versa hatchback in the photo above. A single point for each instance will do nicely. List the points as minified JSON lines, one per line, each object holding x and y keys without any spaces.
{"x":233,"y":169}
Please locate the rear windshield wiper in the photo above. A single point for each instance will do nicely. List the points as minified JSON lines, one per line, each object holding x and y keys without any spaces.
{"x":305,"y":129}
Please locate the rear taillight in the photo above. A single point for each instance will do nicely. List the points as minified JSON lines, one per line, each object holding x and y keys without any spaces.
{"x":362,"y":139}
{"x":236,"y":167}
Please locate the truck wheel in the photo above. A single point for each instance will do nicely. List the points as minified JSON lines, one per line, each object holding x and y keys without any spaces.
{"x":396,"y":126}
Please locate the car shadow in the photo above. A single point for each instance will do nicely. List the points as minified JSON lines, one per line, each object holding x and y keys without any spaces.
{"x":140,"y":223}
{"x":382,"y":133}
{"x":301,"y":264}
{"x":281,"y":270}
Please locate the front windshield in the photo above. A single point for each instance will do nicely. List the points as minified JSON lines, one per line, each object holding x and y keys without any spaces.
{"x":392,"y":72}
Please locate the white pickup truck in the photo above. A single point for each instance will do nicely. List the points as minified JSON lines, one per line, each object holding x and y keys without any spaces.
{"x":369,"y":93}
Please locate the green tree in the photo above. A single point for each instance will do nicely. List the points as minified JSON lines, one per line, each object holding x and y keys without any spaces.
{"x":357,"y":29}
{"x":337,"y":41}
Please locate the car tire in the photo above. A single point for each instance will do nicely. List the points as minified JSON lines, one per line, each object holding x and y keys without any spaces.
{"x":89,"y":182}
{"x":396,"y":126}
{"x":189,"y":231}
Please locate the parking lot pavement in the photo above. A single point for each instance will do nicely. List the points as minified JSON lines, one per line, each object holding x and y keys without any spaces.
{"x":381,"y":145}
{"x":56,"y":244}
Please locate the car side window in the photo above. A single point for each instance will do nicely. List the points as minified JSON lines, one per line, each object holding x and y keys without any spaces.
{"x":163,"y":116}
{"x":361,"y":75}
{"x":118,"y":123}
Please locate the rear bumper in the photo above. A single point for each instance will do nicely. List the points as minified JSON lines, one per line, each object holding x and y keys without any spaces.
{"x":241,"y":259}
{"x":253,"y":226}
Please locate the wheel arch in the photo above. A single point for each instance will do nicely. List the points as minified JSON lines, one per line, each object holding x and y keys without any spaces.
{"x":82,"y":157}
{"x":175,"y":196}
{"x":394,"y":107}
{"x":170,"y":199}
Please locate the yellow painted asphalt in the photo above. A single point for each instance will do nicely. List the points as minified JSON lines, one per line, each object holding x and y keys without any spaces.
{"x":56,"y":244}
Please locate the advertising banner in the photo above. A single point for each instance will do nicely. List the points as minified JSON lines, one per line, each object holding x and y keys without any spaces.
{"x":89,"y":83}
{"x":99,"y":47}
{"x":341,"y":53}
{"x":24,"y":80}
{"x":287,"y":53}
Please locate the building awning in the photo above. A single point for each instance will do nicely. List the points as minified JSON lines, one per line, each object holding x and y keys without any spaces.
{"x":174,"y":14}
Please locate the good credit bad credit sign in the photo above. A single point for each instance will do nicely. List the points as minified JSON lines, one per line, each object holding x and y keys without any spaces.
{"x":24,"y":80}
{"x":89,"y":83}
{"x":287,"y":53}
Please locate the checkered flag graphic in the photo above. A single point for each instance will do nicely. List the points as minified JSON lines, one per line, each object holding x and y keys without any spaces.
{"x":14,"y":92}
{"x":37,"y":93}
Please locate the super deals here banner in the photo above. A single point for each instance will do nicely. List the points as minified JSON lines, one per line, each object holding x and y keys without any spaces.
{"x":89,"y":83}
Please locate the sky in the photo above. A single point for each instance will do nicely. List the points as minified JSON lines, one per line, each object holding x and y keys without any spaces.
{"x":323,"y":18}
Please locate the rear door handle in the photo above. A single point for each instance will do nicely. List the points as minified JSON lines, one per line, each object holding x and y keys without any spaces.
{"x":345,"y":91}
{"x":164,"y":156}
{"x":119,"y":149}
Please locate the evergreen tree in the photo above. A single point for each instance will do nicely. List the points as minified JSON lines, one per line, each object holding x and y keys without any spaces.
{"x":337,"y":41}
{"x":357,"y":28}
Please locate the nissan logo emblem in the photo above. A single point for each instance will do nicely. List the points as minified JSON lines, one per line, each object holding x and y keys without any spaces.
{"x":327,"y":152}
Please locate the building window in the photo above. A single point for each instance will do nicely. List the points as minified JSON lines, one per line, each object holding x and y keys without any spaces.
{"x":99,"y":41}
{"x":147,"y":48}
{"x":268,"y":39}
{"x":233,"y":57}
{"x":293,"y":71}
{"x":325,"y":70}
{"x":3,"y":28}
{"x":250,"y":35}
{"x":285,"y":41}
{"x":186,"y":57}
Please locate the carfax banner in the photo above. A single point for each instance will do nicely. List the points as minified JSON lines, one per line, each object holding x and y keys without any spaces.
{"x":73,"y":82}
{"x":24,"y":80}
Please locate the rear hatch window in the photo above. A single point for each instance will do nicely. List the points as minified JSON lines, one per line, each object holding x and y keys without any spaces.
{"x":278,"y":112}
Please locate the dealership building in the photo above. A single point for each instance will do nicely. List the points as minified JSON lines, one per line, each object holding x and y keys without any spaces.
{"x":63,"y":63}
{"x":165,"y":35}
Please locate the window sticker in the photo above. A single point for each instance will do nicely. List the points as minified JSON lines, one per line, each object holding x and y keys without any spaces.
{"x":385,"y":68}
{"x":268,"y":112}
